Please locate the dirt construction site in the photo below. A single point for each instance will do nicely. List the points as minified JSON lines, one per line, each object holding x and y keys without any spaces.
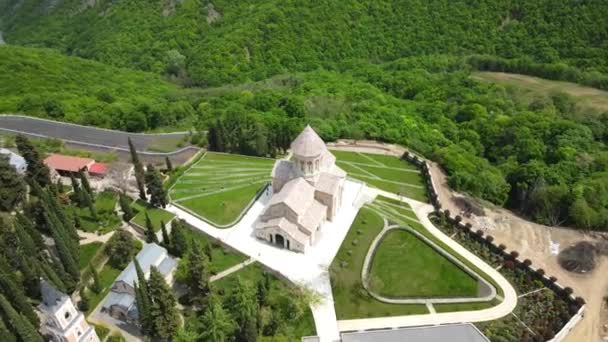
{"x":536,"y":242}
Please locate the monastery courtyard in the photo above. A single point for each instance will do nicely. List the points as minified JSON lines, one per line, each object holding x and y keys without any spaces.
{"x":311,"y":268}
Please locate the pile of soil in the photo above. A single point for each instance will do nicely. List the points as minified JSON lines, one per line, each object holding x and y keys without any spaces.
{"x":579,"y":258}
{"x":469,"y":205}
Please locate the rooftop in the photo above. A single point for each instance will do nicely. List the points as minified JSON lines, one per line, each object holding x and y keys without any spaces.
{"x":67,"y":163}
{"x":440,"y":333}
{"x":308,"y":144}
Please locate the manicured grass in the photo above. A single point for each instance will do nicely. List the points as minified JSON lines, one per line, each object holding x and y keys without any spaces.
{"x":107,"y":276}
{"x":106,"y":221}
{"x":405,"y":266}
{"x":156,"y":215}
{"x":351,"y":299}
{"x":220,"y":186}
{"x":384,"y":172}
{"x":87,"y":252}
{"x":280,"y":297}
{"x":221,"y":258}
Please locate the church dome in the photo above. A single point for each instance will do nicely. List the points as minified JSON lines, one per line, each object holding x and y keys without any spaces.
{"x":308,"y":144}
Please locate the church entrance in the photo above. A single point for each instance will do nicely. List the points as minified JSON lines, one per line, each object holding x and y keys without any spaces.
{"x":280,"y":241}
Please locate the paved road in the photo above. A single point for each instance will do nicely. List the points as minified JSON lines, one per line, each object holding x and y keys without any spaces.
{"x":95,"y":137}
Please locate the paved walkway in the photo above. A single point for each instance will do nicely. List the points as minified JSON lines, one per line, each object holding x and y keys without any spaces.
{"x":86,"y":237}
{"x":422,"y":210}
{"x":231,"y":270}
{"x":310,"y":269}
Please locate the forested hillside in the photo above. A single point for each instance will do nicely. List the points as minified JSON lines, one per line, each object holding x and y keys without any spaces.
{"x":213,"y":42}
{"x":254,"y":72}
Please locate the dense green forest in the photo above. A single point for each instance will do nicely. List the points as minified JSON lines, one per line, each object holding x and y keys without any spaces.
{"x":213,"y":42}
{"x":253,"y":73}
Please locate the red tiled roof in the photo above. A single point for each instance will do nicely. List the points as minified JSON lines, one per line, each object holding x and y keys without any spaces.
{"x":67,"y":163}
{"x":98,"y":168}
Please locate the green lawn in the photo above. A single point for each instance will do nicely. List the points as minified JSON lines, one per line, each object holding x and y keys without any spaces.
{"x":87,"y":252}
{"x":351,"y":299}
{"x":405,"y":266}
{"x":281,"y":300}
{"x":107,"y":276}
{"x":220,"y":186}
{"x":384,"y":172}
{"x":465,"y":306}
{"x":221,"y":258}
{"x":156,"y":215}
{"x":106,"y":221}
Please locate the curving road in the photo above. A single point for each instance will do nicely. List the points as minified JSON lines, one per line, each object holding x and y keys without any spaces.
{"x":88,"y":136}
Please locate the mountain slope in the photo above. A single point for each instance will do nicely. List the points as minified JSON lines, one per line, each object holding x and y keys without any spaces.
{"x":231,"y":41}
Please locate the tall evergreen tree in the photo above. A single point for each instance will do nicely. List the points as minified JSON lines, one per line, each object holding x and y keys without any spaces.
{"x":168,"y":164}
{"x":158,"y":195}
{"x":179,"y":243}
{"x":12,"y":186}
{"x":166,"y":239}
{"x":36,"y":170}
{"x":5,"y":334}
{"x":76,"y":191}
{"x":139,"y":170}
{"x":217,"y":324}
{"x":30,"y":276}
{"x":66,"y":257}
{"x":244,"y":308}
{"x":96,"y":281}
{"x":125,"y":206}
{"x":198,"y":274}
{"x":143,"y":299}
{"x":50,"y":273}
{"x":86,"y":186}
{"x":18,"y":323}
{"x":163,"y":311}
{"x":26,"y":224}
{"x":150,"y":233}
{"x":12,"y":290}
{"x":84,"y":303}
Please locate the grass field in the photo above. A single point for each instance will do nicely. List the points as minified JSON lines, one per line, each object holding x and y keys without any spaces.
{"x":87,"y":252}
{"x":531,"y":87}
{"x":280,"y":300}
{"x":107,"y":220}
{"x":384,"y":172}
{"x":220,"y":186}
{"x":405,"y":266}
{"x":221,"y":258}
{"x":156,"y":215}
{"x":351,"y":299}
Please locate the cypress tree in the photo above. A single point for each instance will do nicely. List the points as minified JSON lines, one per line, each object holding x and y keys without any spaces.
{"x":77,"y":192}
{"x":66,"y":257}
{"x":168,"y":164}
{"x":209,"y":251}
{"x":30,"y":275}
{"x":158,"y":195}
{"x":86,"y":186}
{"x":59,"y":186}
{"x":262,"y":293}
{"x":26,"y":242}
{"x":163,"y":312}
{"x":14,"y":293}
{"x":139,"y":170}
{"x":198,"y":274}
{"x":18,"y":323}
{"x":12,"y":186}
{"x":144,"y":302}
{"x":96,"y":281}
{"x":244,"y":308}
{"x":91,"y":205}
{"x":51,"y":274}
{"x":36,"y":170}
{"x":217,"y":323}
{"x":125,"y":206}
{"x":5,"y":334}
{"x":166,"y":239}
{"x":150,"y":234}
{"x":27,"y":226}
{"x":179,"y":243}
{"x":84,"y":303}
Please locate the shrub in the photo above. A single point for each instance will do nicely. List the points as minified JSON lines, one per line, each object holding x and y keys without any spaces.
{"x":540,"y":272}
{"x":458,"y":218}
{"x":446,"y":213}
{"x":489,"y":238}
{"x":102,"y":331}
{"x":508,"y":264}
{"x":568,"y":290}
{"x":553,"y":279}
{"x":468,"y":226}
{"x":502,"y":247}
{"x":514,"y":254}
{"x":479,"y":232}
{"x":580,"y":301}
{"x":528,"y":262}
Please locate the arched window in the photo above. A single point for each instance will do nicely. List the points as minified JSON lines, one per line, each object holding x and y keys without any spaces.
{"x":67,"y":315}
{"x":317,"y":165}
{"x":302,"y":166}
{"x":309,"y":166}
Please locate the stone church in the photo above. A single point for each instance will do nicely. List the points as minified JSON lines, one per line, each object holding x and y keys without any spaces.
{"x":307,"y":191}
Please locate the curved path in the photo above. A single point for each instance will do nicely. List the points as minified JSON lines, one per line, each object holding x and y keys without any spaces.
{"x":445,"y":300}
{"x":509,"y":302}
